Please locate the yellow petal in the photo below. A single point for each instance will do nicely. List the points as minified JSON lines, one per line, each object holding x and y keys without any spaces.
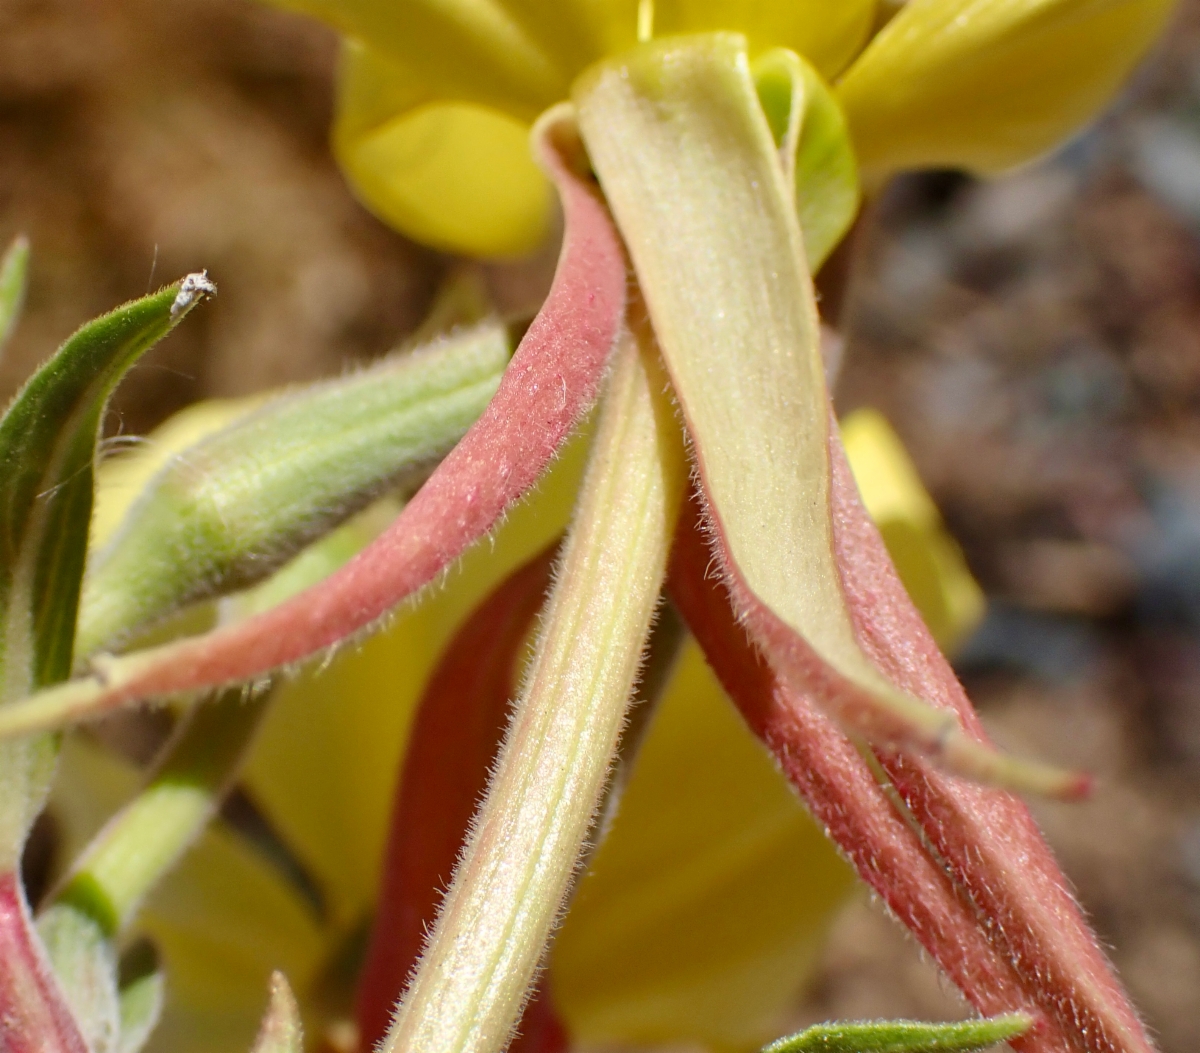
{"x":929,"y":562}
{"x":223,"y":922}
{"x":707,"y":904}
{"x":452,"y":174}
{"x":986,"y":84}
{"x":577,"y":32}
{"x":326,"y":758}
{"x":826,"y":32}
{"x":460,"y":49}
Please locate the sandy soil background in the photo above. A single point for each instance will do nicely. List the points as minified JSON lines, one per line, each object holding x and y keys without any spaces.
{"x":1036,"y":342}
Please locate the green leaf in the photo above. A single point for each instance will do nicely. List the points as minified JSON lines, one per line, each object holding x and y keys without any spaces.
{"x":814,"y":142}
{"x":14,"y":267}
{"x":280,"y":1031}
{"x":904,"y":1036}
{"x":226,"y":512}
{"x":47,"y":449}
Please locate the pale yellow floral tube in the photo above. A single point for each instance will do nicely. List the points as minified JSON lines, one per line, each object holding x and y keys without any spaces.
{"x":510,"y":886}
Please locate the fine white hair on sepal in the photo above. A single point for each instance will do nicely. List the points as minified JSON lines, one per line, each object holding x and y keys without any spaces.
{"x":192,"y":288}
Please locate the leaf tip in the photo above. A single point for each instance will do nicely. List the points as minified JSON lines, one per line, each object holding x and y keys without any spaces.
{"x":192,"y":290}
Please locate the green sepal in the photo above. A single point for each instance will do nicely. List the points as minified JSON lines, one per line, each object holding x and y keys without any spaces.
{"x":143,"y":992}
{"x":228,"y":511}
{"x":904,"y":1036}
{"x":47,"y":449}
{"x":86,"y":967}
{"x":814,"y":142}
{"x":14,"y":268}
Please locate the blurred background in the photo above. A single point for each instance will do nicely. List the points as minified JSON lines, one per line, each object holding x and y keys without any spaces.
{"x":1035,"y":341}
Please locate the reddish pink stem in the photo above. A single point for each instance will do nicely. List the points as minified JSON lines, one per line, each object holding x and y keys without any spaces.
{"x":458,"y":729}
{"x":552,"y":381}
{"x":986,"y":837}
{"x":34,"y":1018}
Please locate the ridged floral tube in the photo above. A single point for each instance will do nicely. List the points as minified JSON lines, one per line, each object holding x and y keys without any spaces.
{"x":518,"y":866}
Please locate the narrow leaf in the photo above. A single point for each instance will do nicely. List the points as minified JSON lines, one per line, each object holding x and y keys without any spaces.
{"x":549,"y":386}
{"x":685,"y":155}
{"x":229,"y":510}
{"x":517,"y":868}
{"x":456,"y":732}
{"x":281,"y":1029}
{"x":47,"y":449}
{"x":903,"y":1036}
{"x":14,"y":267}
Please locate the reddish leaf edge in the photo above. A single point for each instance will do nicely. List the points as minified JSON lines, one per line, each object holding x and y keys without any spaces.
{"x":551,"y":383}
{"x":457,"y":731}
{"x":964,"y":753}
{"x":34,"y":1016}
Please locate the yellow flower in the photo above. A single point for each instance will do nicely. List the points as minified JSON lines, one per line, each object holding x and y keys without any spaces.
{"x":436,"y":100}
{"x":436,"y":97}
{"x":632,"y":961}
